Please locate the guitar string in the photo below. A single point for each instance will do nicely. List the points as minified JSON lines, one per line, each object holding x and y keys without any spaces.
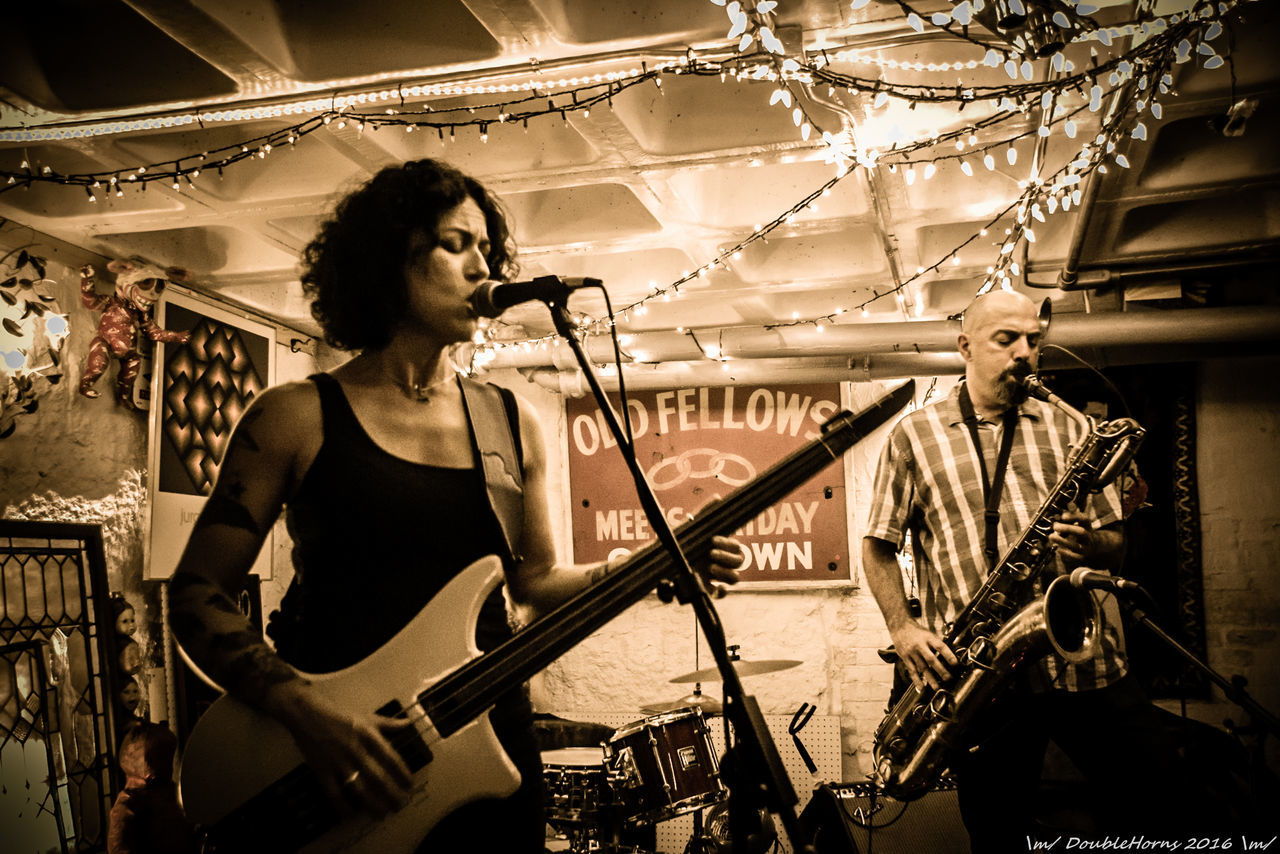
{"x":467,"y":699}
{"x":449,"y":710}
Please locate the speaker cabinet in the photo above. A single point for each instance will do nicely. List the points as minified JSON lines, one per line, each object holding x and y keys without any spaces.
{"x":853,"y":818}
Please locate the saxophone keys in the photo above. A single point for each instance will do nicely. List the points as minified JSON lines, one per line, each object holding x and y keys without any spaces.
{"x":942,"y":706}
{"x":980,"y":653}
{"x":885,"y":772}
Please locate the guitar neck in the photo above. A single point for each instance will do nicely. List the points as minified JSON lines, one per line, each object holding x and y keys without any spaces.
{"x":466,"y":693}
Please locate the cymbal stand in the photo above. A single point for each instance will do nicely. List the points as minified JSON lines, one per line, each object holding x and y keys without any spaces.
{"x":755,"y":775}
{"x":696,"y":843}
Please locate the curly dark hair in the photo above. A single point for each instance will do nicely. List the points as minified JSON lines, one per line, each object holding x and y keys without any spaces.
{"x":354,"y":268}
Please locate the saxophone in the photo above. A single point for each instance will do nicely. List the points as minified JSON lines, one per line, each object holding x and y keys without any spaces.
{"x":1006,"y":625}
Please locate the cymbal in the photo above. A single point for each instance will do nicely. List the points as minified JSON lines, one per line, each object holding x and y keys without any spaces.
{"x":742,"y":668}
{"x":709,"y":705}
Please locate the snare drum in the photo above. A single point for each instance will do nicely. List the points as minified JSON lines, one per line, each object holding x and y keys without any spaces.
{"x":574,"y":782}
{"x":663,"y":766}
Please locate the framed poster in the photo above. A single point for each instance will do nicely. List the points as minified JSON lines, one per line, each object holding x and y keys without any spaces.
{"x":700,"y":444}
{"x":199,"y":391}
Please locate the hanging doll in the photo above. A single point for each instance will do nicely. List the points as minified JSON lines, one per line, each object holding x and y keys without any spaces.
{"x":126,"y":315}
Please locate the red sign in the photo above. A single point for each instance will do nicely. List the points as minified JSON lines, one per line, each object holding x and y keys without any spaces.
{"x":699,"y":444}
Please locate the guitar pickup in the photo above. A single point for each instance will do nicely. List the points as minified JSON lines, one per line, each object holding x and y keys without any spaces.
{"x":407,"y":742}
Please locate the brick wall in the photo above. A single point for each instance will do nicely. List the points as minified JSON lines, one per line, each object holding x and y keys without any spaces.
{"x":1238,"y":458}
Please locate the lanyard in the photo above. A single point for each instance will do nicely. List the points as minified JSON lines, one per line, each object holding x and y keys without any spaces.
{"x":991,"y":489}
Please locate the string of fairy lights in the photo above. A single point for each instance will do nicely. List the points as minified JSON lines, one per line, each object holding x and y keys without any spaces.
{"x":1133,"y":80}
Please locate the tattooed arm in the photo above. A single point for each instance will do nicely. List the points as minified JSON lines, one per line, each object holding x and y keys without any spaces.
{"x":256,"y":474}
{"x":271,"y":448}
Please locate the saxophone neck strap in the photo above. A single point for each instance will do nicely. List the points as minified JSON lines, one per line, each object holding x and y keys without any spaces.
{"x":992,"y":487}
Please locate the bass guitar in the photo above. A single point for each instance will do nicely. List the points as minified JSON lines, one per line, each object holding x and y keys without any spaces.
{"x":244,"y":782}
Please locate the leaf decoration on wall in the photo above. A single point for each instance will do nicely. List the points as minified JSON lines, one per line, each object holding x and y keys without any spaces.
{"x":34,"y":332}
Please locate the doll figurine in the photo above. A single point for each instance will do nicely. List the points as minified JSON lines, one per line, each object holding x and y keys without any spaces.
{"x":126,"y":619}
{"x":127,"y":315}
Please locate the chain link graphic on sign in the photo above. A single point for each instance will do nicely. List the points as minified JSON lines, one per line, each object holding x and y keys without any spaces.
{"x":712,"y":464}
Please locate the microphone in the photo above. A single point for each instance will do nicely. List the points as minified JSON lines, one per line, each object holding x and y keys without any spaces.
{"x":1090,"y":579}
{"x":492,"y":298}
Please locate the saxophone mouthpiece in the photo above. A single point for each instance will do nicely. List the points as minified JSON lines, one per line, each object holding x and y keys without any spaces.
{"x":1037,"y":389}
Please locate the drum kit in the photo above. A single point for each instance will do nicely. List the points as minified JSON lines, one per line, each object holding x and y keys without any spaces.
{"x":609,"y":798}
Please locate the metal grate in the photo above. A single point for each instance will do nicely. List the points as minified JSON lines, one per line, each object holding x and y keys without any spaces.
{"x":56,"y":620}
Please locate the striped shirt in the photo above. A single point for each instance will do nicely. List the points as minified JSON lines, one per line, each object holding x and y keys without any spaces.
{"x":928,"y":484}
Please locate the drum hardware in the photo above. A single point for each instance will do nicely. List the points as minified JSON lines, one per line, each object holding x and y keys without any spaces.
{"x":697,"y":843}
{"x":602,"y":800}
{"x":651,"y":770}
{"x":573,"y":779}
{"x":581,"y":808}
{"x":697,"y":700}
{"x":717,"y":840}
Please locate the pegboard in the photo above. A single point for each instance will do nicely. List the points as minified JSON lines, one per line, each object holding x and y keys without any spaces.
{"x":820,"y":737}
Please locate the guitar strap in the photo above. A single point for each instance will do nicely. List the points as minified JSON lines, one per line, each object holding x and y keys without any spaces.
{"x":991,"y":488}
{"x":503,"y":474}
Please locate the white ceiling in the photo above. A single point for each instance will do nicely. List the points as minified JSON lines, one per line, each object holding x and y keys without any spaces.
{"x":651,"y":185}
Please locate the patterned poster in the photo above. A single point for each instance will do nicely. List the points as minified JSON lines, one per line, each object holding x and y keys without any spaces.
{"x":200,"y":390}
{"x":700,"y":444}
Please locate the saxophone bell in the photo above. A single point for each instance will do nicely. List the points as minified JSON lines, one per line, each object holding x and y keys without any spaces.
{"x":915,"y":741}
{"x":1071,"y":620}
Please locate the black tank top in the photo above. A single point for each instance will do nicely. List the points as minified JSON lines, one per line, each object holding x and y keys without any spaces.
{"x":375,"y":538}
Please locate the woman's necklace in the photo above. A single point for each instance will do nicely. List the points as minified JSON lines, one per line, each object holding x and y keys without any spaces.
{"x":382,"y":367}
{"x":423,"y":392}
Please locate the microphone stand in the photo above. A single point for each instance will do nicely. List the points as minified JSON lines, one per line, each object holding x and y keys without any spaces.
{"x":752,"y":769}
{"x":1261,"y":721}
{"x":1232,"y":688}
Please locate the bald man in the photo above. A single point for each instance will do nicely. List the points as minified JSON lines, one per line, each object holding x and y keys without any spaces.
{"x":933,"y":481}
